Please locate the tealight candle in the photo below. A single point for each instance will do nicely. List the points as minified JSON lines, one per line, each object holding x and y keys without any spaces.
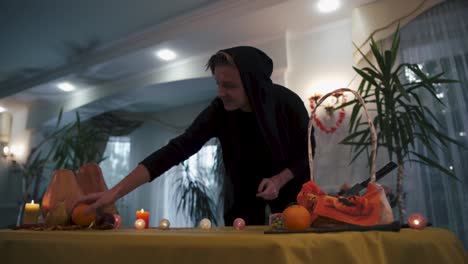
{"x":140,"y":224}
{"x":143,"y":215}
{"x":417,"y":221}
{"x":164,"y":224}
{"x":31,"y":211}
{"x":239,"y":224}
{"x":205,"y":223}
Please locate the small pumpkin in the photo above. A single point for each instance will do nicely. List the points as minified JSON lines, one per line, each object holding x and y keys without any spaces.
{"x":82,"y":215}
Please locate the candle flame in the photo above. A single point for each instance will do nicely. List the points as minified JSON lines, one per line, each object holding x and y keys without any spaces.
{"x":32,"y":201}
{"x":416,"y":221}
{"x":142,"y":210}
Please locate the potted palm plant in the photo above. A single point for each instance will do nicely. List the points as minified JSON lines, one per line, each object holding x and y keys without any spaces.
{"x":67,"y":147}
{"x":401,"y":118}
{"x":193,"y":198}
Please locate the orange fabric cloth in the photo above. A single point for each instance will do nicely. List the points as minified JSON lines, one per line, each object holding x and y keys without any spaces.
{"x":370,"y":209}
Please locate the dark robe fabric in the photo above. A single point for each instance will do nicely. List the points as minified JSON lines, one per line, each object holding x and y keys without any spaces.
{"x":255,"y":145}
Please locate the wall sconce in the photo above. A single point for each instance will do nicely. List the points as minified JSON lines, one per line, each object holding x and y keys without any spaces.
{"x":5,"y":132}
{"x":11,"y":152}
{"x":7,"y":152}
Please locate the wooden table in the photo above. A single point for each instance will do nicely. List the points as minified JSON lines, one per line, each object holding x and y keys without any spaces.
{"x":226,"y":245}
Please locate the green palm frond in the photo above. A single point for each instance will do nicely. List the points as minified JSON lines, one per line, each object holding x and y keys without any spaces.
{"x":193,"y":198}
{"x":68,"y":146}
{"x":401,"y":118}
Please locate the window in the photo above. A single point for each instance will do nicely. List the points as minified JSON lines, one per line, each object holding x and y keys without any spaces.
{"x":202,"y":164}
{"x":116,"y":164}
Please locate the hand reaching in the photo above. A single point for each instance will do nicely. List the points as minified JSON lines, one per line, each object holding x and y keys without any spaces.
{"x":268,"y":189}
{"x":137,"y":177}
{"x":97,"y":200}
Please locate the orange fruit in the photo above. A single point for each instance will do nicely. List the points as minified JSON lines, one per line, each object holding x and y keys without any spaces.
{"x":296,"y":218}
{"x":81,"y":216}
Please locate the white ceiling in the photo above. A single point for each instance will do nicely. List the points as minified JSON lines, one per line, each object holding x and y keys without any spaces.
{"x":35,"y":34}
{"x":114,"y":74}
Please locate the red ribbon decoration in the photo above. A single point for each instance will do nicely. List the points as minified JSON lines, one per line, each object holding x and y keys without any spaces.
{"x":332,"y":129}
{"x":341,"y":116}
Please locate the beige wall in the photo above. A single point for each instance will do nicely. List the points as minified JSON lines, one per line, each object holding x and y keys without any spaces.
{"x":10,"y":179}
{"x":320,"y":61}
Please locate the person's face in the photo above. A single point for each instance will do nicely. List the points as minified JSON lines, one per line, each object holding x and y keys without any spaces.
{"x":230,"y":88}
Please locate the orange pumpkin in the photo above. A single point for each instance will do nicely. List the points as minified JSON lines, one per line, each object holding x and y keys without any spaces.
{"x":91,"y":180}
{"x":296,"y":218}
{"x":82,"y":215}
{"x":62,"y":188}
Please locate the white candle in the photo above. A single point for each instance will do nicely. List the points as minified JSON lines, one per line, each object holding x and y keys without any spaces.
{"x":31,"y":211}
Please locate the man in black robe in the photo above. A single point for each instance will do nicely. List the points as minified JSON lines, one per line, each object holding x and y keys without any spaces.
{"x":262,"y":129}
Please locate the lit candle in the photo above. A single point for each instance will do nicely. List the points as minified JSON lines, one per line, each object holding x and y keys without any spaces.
{"x":417,"y":221}
{"x":140,"y":224}
{"x":31,"y":211}
{"x":143,"y":215}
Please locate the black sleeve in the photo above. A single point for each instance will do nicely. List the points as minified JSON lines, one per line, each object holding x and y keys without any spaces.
{"x":182,"y":147}
{"x":298,"y":119}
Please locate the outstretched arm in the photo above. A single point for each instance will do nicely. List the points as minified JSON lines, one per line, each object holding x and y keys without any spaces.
{"x":137,"y":177}
{"x":179,"y":149}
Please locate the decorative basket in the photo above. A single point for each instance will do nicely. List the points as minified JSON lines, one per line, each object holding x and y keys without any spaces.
{"x":370,"y":209}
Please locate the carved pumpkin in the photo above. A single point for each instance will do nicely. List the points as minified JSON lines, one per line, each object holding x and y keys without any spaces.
{"x":63,"y":188}
{"x":58,"y":215}
{"x":91,"y":180}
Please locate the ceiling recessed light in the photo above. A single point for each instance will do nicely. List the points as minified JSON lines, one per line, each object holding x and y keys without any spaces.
{"x":2,"y":109}
{"x":327,"y":6}
{"x":66,"y":86}
{"x":166,"y":54}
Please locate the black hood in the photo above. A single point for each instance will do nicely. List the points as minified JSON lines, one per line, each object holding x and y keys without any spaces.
{"x":255,"y":68}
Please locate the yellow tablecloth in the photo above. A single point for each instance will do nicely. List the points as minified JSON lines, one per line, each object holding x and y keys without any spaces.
{"x":225,"y":245}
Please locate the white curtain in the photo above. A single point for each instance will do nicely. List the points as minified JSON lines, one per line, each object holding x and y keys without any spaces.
{"x":115,"y":166}
{"x":160,"y":196}
{"x":438,"y":41}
